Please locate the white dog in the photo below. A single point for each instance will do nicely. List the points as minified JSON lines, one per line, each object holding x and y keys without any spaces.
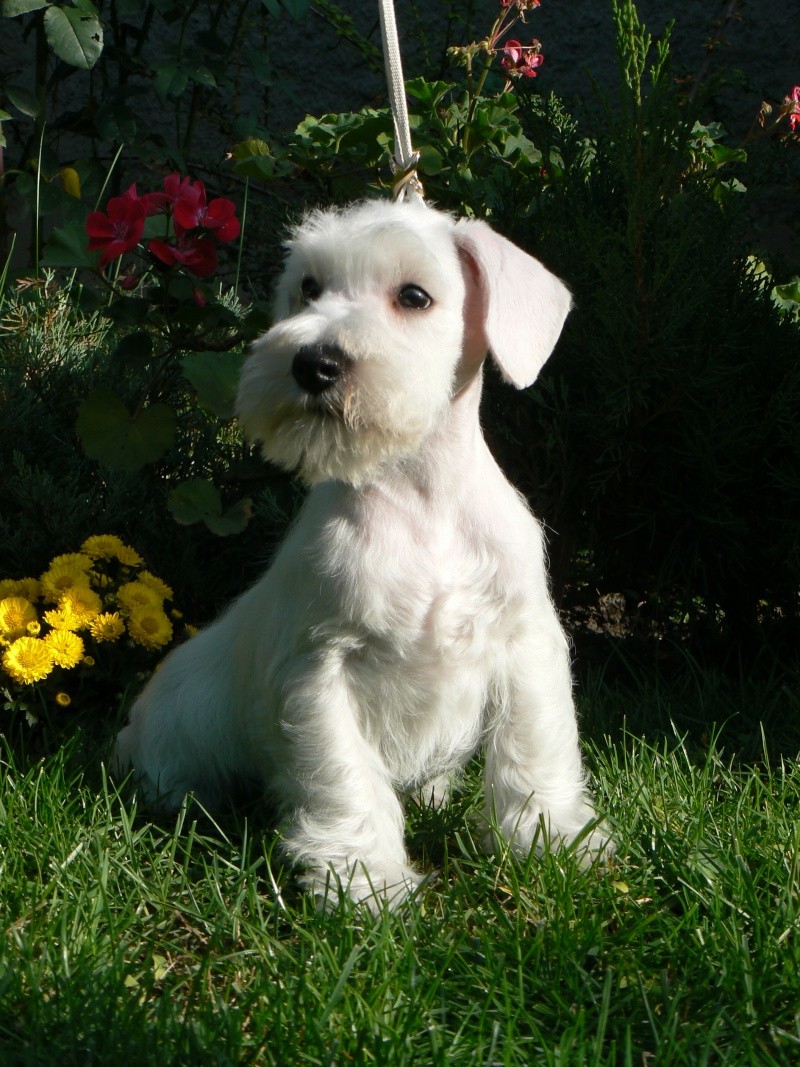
{"x":406,"y":619}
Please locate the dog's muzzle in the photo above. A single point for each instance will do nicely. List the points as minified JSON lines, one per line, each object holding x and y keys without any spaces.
{"x":316,"y":368}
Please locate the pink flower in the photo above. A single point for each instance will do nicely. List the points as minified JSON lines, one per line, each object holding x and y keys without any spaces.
{"x":521,"y":59}
{"x":118,"y":231}
{"x":794,"y":114}
{"x":197,"y":255}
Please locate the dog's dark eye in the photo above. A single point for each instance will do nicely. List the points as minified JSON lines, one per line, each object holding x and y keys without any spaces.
{"x":310,"y":288}
{"x":412,"y":296}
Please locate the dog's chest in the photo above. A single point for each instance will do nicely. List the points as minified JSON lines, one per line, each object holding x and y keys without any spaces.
{"x":422,"y":587}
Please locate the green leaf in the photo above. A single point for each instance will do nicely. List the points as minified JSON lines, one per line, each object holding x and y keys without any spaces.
{"x":202,"y":76}
{"x":197,"y":500}
{"x":134,"y":351}
{"x":233,"y":520}
{"x":75,"y":34}
{"x":430,"y":161}
{"x":214,"y":375}
{"x":253,"y":159}
{"x":23,"y":100}
{"x":117,"y":439}
{"x":66,"y":247}
{"x":171,"y":81}
{"x":12,"y":8}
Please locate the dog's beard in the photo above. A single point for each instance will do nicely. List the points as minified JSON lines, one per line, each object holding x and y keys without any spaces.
{"x":329,"y":439}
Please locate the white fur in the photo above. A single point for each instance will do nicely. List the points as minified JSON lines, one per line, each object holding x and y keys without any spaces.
{"x":406,"y":618}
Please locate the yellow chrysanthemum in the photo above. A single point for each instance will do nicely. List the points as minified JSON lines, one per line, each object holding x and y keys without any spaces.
{"x":102,"y":546}
{"x":65,"y":647}
{"x":133,"y":596}
{"x":28,"y":660}
{"x":63,"y":700}
{"x":150,"y":627}
{"x":29,"y":588}
{"x":76,"y":609}
{"x":128,"y":556}
{"x":155,"y":583}
{"x":34,"y":628}
{"x":64,"y":573}
{"x":191,"y":630}
{"x":16,"y":615}
{"x":107,"y":627}
{"x":83,"y":602}
{"x":62,"y":619}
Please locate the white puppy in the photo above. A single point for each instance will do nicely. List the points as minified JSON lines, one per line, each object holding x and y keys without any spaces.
{"x":406,"y":618}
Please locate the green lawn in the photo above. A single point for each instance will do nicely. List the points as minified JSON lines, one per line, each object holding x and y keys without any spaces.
{"x":127,"y":941}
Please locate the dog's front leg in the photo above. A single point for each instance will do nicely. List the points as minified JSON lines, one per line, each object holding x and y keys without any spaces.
{"x":346,"y":824}
{"x":534,"y":777}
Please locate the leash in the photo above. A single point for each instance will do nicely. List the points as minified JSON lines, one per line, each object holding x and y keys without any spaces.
{"x":404,"y":163}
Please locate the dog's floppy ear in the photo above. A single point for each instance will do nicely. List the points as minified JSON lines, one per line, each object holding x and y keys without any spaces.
{"x":521,"y":305}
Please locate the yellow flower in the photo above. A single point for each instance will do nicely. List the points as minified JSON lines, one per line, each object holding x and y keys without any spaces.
{"x":107,"y":627}
{"x":28,"y":660}
{"x":155,"y":583}
{"x":102,"y":546}
{"x":29,"y":588}
{"x":191,"y":630}
{"x":82,"y":602}
{"x":65,"y":647}
{"x":16,"y":615}
{"x":62,"y":619}
{"x":64,"y":573}
{"x":76,"y":609}
{"x":149,"y":626}
{"x":128,"y":556}
{"x":34,"y":628}
{"x":135,"y":595}
{"x":63,"y":700}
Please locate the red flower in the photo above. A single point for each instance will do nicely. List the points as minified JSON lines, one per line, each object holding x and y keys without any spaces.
{"x":218,"y":216}
{"x":794,"y":114}
{"x":521,"y":59}
{"x":120,"y":230}
{"x":197,"y":255}
{"x":152,"y":201}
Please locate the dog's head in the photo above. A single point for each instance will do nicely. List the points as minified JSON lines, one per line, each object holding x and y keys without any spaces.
{"x":384,"y":311}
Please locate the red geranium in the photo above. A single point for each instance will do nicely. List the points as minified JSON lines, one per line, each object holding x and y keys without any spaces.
{"x":794,"y":114}
{"x":197,"y":255}
{"x":118,"y":231}
{"x":191,"y":211}
{"x":184,"y":200}
{"x":521,"y":58}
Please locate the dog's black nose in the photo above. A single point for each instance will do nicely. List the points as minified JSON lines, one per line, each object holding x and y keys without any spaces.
{"x":316,"y":368}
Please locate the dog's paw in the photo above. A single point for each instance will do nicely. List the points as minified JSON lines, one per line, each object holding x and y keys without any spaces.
{"x":577,"y":828}
{"x":377,"y":887}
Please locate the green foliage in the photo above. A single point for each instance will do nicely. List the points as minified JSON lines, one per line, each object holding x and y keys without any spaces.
{"x":110,"y":434}
{"x":73,"y":30}
{"x":659,"y":442}
{"x":58,"y":346}
{"x":661,"y":432}
{"x":191,"y":934}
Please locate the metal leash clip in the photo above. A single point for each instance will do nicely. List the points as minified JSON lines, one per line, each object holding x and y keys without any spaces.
{"x":406,"y":179}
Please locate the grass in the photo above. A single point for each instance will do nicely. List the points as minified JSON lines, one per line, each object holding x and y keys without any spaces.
{"x":131,"y":941}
